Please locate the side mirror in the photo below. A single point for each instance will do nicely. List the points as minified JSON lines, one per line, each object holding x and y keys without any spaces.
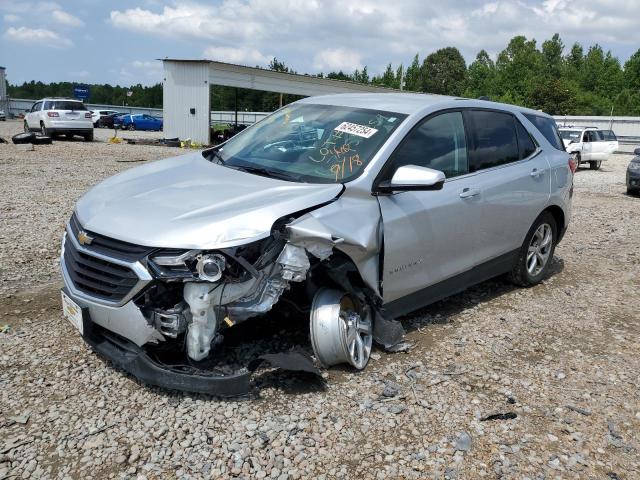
{"x":637,"y":151}
{"x":413,"y":178}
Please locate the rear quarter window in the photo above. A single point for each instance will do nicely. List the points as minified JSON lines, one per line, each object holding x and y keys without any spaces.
{"x":548,"y":128}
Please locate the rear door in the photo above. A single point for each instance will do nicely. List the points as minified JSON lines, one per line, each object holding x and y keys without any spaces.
{"x":430,"y":236}
{"x":32,"y":117}
{"x":513,"y":176}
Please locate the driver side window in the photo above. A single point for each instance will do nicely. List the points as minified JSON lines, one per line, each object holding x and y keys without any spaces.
{"x":438,"y":143}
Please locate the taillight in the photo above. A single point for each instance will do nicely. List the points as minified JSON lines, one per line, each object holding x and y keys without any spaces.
{"x":53,"y":114}
{"x":87,"y":115}
{"x":573,"y":165}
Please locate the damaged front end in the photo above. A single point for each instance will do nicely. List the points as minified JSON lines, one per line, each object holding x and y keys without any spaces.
{"x":189,"y":298}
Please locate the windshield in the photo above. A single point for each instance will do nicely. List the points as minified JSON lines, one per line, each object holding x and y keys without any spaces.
{"x":310,"y":143}
{"x":573,"y":135}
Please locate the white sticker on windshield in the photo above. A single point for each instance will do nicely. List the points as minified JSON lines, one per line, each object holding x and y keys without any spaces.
{"x":355,"y":129}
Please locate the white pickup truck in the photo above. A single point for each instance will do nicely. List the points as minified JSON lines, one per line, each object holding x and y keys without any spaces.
{"x":589,"y":144}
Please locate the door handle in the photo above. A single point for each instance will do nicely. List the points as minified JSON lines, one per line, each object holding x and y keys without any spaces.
{"x":469,"y":192}
{"x":535,"y":173}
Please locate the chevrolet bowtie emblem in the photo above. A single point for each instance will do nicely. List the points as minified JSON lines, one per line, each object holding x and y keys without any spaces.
{"x":83,"y":238}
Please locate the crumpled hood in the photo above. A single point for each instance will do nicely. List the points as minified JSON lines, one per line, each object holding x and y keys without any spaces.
{"x":189,"y":202}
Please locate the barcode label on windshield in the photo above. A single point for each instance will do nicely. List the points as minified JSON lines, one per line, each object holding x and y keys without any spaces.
{"x":355,"y":129}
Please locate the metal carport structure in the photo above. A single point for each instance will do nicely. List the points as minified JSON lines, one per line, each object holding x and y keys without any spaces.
{"x":187,"y":83}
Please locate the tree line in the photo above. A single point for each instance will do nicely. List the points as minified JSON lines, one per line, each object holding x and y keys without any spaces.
{"x":549,"y":78}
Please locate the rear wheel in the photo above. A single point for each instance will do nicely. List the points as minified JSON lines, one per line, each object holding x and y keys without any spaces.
{"x":536,"y":253}
{"x":44,"y":131}
{"x":26,"y":127}
{"x":131,"y":127}
{"x":69,"y":136}
{"x":595,"y":165}
{"x":577,"y":157}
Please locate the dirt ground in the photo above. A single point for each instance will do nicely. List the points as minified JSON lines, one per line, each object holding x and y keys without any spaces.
{"x":501,"y":382}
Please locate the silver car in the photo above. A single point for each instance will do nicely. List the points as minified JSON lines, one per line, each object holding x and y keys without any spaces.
{"x":356,"y":208}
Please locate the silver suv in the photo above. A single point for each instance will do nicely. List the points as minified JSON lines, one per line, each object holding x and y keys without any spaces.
{"x":355,"y":208}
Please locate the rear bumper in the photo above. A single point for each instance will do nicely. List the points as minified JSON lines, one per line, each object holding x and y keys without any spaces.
{"x":74,"y":125}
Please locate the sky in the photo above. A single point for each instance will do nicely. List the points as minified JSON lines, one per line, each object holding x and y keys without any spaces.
{"x":119,"y":42}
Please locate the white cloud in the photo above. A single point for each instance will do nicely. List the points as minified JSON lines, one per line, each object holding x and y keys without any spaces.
{"x":37,"y":37}
{"x":67,"y":19}
{"x":246,"y":56}
{"x":79,"y":74}
{"x":333,"y":34}
{"x":338,"y":59}
{"x":10,"y":17}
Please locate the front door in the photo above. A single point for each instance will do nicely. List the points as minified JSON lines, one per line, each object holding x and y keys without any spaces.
{"x":429,"y":236}
{"x":587,"y":146}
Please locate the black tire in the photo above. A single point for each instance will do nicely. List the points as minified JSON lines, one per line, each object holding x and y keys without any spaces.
{"x":26,"y":137}
{"x":577,"y":161}
{"x":88,"y":137}
{"x":520,"y":275}
{"x":40,"y":140}
{"x":595,"y":165}
{"x":26,"y":127}
{"x":69,"y":136}
{"x":44,"y":131}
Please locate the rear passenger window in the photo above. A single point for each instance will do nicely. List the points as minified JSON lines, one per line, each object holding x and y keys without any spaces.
{"x":599,"y":136}
{"x":609,"y":136}
{"x":547,"y":127}
{"x":438,"y":143}
{"x":493,"y":139}
{"x":525,"y":143}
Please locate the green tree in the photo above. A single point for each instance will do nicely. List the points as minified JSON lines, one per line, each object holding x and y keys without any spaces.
{"x":552,"y":55}
{"x":444,"y":72}
{"x":481,"y":76}
{"x":554,"y":96}
{"x":413,"y":78}
{"x":632,"y":72}
{"x":517,"y":68}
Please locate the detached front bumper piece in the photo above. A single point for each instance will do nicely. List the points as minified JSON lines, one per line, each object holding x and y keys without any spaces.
{"x":135,"y":360}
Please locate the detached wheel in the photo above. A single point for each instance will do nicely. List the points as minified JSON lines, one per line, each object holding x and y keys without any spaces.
{"x":536,"y":252}
{"x":341,"y":330}
{"x":595,"y":165}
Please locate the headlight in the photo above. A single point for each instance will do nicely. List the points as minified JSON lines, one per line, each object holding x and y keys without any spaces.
{"x":165,"y":259}
{"x":210,"y":267}
{"x":634,"y":166}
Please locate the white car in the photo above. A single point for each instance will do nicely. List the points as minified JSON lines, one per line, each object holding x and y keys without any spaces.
{"x":58,"y":116}
{"x":589,"y":144}
{"x":3,"y":116}
{"x":97,"y":115}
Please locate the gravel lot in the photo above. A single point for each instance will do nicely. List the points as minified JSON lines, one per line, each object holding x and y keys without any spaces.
{"x":501,"y":382}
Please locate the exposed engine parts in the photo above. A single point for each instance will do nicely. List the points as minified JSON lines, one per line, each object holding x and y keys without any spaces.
{"x":202,"y":293}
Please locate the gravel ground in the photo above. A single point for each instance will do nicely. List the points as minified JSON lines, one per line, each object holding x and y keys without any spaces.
{"x":501,"y":382}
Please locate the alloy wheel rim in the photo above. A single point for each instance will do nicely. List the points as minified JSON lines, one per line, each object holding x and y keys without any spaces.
{"x":539,"y":249}
{"x":358,"y":337}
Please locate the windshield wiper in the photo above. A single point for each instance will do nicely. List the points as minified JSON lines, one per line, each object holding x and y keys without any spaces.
{"x":216,"y":154}
{"x":264,"y":172}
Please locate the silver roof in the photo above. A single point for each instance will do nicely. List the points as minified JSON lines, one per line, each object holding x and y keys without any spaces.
{"x":409,"y":103}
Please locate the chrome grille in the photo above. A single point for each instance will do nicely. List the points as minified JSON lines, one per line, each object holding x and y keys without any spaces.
{"x":106,"y":270}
